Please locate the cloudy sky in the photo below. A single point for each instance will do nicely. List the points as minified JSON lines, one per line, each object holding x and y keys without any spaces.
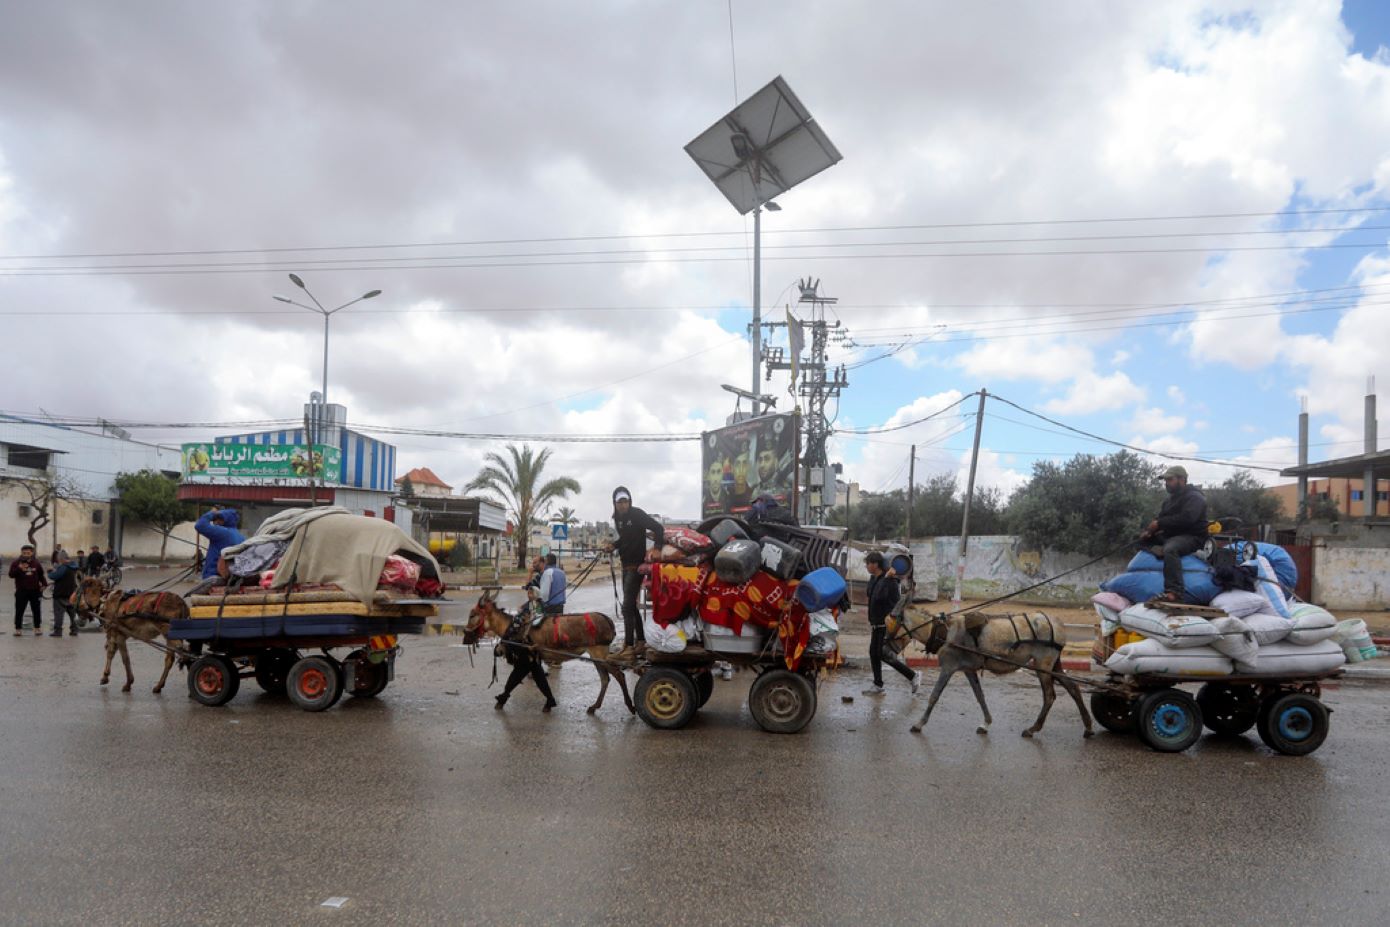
{"x":1160,"y":223}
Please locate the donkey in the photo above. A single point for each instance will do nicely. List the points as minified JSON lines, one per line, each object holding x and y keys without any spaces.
{"x":144,"y":616}
{"x":556,"y":637}
{"x":1001,"y":644}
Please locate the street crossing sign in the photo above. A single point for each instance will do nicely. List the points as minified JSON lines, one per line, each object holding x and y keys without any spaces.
{"x":560,"y":532}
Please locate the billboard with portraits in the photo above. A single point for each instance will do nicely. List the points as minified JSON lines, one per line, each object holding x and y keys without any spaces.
{"x":746,"y":460}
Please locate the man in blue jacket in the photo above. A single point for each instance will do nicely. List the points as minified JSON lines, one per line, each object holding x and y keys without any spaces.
{"x":219,"y":526}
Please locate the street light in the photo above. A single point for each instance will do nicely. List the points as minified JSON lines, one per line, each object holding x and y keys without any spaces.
{"x":327,"y":314}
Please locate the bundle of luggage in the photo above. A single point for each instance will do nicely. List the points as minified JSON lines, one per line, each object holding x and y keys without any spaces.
{"x":732,"y":590}
{"x":324,"y":562}
{"x":1248,"y":631}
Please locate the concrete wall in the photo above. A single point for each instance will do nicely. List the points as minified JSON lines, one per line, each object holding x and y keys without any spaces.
{"x":1351,"y":577}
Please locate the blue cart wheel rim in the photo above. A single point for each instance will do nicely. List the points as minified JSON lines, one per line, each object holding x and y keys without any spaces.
{"x":1295,"y":723}
{"x":1170,"y":721}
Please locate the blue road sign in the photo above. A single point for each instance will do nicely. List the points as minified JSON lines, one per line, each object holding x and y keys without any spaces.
{"x":559,"y":532}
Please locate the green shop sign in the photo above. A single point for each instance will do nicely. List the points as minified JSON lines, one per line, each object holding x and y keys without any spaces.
{"x":208,"y":463}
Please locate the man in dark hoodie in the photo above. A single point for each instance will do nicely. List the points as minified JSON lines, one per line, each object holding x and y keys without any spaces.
{"x":65,"y":576}
{"x":219,"y":526}
{"x":28,"y":587}
{"x":633,"y":526}
{"x":1180,"y":529}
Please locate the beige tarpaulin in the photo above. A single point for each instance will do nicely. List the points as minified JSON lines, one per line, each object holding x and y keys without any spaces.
{"x":349,"y":550}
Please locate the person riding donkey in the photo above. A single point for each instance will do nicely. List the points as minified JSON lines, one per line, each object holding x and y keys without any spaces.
{"x":1180,"y":529}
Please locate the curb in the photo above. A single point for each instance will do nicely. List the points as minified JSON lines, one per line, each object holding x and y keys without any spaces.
{"x":1069,"y":664}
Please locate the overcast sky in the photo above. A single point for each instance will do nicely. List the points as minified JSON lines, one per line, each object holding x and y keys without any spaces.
{"x":360,"y":143}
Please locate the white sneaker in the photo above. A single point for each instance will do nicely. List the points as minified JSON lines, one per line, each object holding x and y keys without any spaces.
{"x":916,"y":681}
{"x":874,"y":690}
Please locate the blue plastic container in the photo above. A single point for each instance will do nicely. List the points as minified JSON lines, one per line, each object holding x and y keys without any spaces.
{"x":818,"y":589}
{"x":900,"y":564}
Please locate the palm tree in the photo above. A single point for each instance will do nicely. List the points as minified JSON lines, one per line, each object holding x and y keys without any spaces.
{"x":567,"y":516}
{"x":516,"y":483}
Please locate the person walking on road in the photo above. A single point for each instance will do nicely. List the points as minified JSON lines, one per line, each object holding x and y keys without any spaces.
{"x":29,"y":582}
{"x":883,"y":595}
{"x":64,"y":576}
{"x":633,"y":526}
{"x":1180,"y":529}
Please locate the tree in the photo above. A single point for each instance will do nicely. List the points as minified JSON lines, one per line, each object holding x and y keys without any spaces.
{"x":515,"y":482}
{"x":1243,"y":498}
{"x":566,"y":516}
{"x":44,"y":492}
{"x":1322,"y":508}
{"x":152,"y":498}
{"x":1089,"y":505}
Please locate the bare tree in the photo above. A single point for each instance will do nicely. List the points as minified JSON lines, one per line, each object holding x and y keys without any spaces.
{"x":43,"y":492}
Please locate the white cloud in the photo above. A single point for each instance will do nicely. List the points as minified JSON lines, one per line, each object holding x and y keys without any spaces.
{"x":1153,"y":421}
{"x":1176,"y":395}
{"x":1091,"y":392}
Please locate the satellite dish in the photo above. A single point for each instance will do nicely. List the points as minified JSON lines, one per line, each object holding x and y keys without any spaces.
{"x":766,"y":146}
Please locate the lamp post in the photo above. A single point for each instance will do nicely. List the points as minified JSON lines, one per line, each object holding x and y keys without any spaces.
{"x":327,"y":314}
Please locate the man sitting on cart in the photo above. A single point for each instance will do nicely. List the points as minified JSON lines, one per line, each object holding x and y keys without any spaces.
{"x":1180,"y":529}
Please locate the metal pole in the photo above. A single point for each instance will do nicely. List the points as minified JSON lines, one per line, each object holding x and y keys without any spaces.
{"x":1368,"y":478}
{"x":911,"y":476}
{"x":757,"y":301}
{"x":1303,"y":459}
{"x":969,"y":492}
{"x":325,"y":358}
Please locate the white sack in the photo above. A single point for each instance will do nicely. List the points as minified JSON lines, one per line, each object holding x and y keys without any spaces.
{"x":1151,"y":657}
{"x":1311,"y":624}
{"x":1240,"y":603}
{"x":670,"y":639}
{"x":1175,"y":631}
{"x":1237,"y":641}
{"x":1285,"y":659}
{"x":1269,"y":629}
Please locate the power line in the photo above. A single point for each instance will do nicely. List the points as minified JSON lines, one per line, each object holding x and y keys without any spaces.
{"x":1011,"y":223}
{"x":885,"y":429}
{"x":1131,"y":447}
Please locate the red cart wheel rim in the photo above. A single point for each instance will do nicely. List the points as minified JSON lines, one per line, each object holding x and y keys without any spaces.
{"x":209,"y":680}
{"x":313,"y":682}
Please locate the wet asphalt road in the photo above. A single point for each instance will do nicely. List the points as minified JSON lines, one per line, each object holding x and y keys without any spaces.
{"x":426,"y":806}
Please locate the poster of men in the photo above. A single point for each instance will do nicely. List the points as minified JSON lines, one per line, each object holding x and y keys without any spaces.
{"x":744,"y":461}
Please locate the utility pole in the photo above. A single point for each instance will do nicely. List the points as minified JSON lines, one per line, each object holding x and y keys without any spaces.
{"x":911,"y":473}
{"x":816,"y":386}
{"x":969,"y":494}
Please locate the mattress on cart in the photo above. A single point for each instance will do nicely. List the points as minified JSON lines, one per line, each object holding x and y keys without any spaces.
{"x":321,"y":623}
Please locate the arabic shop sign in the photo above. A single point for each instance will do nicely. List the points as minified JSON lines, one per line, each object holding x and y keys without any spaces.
{"x":208,"y":463}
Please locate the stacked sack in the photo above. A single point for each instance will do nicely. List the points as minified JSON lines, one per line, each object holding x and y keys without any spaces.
{"x":1143,"y":577}
{"x":1261,"y":634}
{"x":1246,"y":641}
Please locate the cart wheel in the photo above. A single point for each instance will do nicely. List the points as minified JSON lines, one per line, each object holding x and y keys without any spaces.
{"x":314,"y":683}
{"x":1114,"y":712}
{"x":1170,"y":720}
{"x":1294,"y":724}
{"x":213,"y":680}
{"x":368,"y":678}
{"x":704,"y":688}
{"x":666,"y":698}
{"x":1228,"y":709}
{"x":782,"y":702}
{"x":273,"y":668}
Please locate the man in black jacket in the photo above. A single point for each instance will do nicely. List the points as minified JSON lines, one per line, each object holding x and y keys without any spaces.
{"x":633,"y":525}
{"x":883,"y":594}
{"x":1179,"y":529}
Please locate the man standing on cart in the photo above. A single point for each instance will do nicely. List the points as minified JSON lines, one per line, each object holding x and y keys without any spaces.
{"x":1180,"y":529}
{"x":633,"y":526}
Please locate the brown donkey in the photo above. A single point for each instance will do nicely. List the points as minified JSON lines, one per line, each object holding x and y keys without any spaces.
{"x":1001,"y":644}
{"x":142,"y":615}
{"x":557,"y":638}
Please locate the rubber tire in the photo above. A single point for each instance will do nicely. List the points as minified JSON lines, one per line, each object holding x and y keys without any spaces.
{"x":1170,"y":720}
{"x":314,"y":683}
{"x":1293,"y":724}
{"x":1115,"y":713}
{"x":704,"y":687}
{"x":370,"y":678}
{"x":1229,"y":709}
{"x":782,"y":702}
{"x":213,"y":680}
{"x":273,"y":669}
{"x":666,"y":698}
